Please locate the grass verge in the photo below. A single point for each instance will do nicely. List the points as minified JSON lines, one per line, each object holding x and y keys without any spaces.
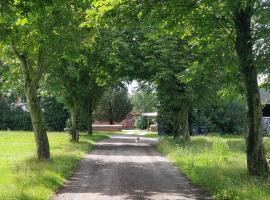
{"x":152,"y":135}
{"x":219,"y":165}
{"x":23,"y":177}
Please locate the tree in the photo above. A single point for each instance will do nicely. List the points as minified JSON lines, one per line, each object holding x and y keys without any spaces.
{"x":114,"y":105}
{"x":39,"y":33}
{"x":242,"y":15}
{"x":224,"y":114}
{"x":222,"y":34}
{"x":64,"y":83}
{"x":25,"y":28}
{"x":145,"y":101}
{"x":55,"y":115}
{"x":233,"y":24}
{"x":70,"y":78}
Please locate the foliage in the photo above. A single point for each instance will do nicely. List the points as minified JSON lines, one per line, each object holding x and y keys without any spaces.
{"x":34,"y":36}
{"x":22,"y":177}
{"x":224,"y":115}
{"x":114,"y":105}
{"x":144,"y":101}
{"x":141,"y":122}
{"x":218,"y":164}
{"x":221,"y":35}
{"x":13,"y":116}
{"x":55,"y":115}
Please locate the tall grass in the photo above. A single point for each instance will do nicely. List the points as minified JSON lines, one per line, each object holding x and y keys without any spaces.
{"x":218,"y":164}
{"x":23,"y":177}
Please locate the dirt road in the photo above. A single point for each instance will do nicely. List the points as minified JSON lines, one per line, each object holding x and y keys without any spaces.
{"x":119,"y":168}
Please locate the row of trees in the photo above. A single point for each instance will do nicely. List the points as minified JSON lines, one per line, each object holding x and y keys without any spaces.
{"x":44,"y":45}
{"x":189,"y":50}
{"x":223,"y":114}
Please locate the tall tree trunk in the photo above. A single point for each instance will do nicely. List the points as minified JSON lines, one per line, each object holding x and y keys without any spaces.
{"x":90,"y":119}
{"x":176,"y":123}
{"x":184,"y":124}
{"x":74,"y":121}
{"x":111,"y":121}
{"x":32,"y":77}
{"x":111,"y":114}
{"x":181,"y":130}
{"x":256,"y":160}
{"x":41,"y":138}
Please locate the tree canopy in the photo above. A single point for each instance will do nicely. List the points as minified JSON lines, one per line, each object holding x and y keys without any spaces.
{"x":191,"y":51}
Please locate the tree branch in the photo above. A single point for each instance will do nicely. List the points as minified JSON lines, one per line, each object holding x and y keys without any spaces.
{"x":21,"y":57}
{"x":40,"y":67}
{"x":229,"y":34}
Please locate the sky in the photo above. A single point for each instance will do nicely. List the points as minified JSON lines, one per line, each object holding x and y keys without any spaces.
{"x":132,"y":87}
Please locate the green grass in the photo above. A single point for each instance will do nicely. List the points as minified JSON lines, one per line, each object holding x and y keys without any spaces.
{"x":219,"y":165}
{"x":23,"y":177}
{"x":152,"y":135}
{"x":110,"y":133}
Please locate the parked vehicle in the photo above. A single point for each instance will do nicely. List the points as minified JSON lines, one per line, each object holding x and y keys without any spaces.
{"x":199,"y":130}
{"x":266,"y":125}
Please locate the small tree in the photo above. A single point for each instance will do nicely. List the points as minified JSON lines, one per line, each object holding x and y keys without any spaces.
{"x":114,"y":105}
{"x":145,"y":101}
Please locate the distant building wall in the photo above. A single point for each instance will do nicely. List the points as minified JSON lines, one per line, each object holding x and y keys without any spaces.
{"x":109,"y":128}
{"x":129,"y":122}
{"x":126,"y":124}
{"x":153,"y":128}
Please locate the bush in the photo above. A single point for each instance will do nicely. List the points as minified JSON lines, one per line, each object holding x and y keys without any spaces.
{"x":141,"y":122}
{"x":55,"y":115}
{"x":224,"y":116}
{"x":13,"y":116}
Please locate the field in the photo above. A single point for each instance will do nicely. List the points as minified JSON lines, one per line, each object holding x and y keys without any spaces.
{"x":22,"y":177}
{"x":218,"y":163}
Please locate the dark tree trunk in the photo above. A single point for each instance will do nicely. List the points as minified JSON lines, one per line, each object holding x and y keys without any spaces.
{"x":181,"y":130}
{"x":74,"y":122}
{"x":111,"y":121}
{"x":111,"y":114}
{"x":90,"y":119}
{"x":256,"y":160}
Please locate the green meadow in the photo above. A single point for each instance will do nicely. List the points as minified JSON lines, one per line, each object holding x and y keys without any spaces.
{"x":23,"y":177}
{"x":218,"y":164}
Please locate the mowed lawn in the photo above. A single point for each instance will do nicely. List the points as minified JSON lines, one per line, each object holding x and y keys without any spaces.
{"x":218,"y":163}
{"x":23,"y":177}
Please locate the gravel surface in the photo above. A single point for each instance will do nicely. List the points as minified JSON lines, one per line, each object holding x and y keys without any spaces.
{"x":121,"y":168}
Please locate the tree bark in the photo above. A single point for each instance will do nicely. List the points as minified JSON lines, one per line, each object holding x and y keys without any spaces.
{"x":41,"y":138}
{"x":181,"y":130}
{"x":111,"y":114}
{"x":32,"y":77}
{"x":74,"y":121}
{"x":256,"y":160}
{"x":90,"y":119}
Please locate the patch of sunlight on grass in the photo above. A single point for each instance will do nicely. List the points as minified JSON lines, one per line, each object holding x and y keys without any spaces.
{"x":218,"y":164}
{"x":152,"y":135}
{"x":23,"y":177}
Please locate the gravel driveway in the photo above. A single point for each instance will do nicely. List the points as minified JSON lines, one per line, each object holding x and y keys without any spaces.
{"x":119,"y":168}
